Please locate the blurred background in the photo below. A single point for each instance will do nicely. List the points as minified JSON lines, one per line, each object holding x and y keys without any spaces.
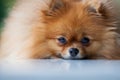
{"x":6,"y":6}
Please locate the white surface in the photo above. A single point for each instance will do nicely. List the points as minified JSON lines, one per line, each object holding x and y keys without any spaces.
{"x":60,"y":70}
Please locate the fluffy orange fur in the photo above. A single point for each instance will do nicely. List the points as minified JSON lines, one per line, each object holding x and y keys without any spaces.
{"x":73,"y":19}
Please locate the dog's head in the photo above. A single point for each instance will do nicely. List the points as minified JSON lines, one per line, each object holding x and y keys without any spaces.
{"x":77,"y":29}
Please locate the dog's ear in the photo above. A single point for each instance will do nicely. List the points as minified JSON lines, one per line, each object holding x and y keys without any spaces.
{"x":55,"y":7}
{"x":100,"y":7}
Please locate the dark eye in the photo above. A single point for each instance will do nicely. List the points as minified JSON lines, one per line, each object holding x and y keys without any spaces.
{"x":62,"y":40}
{"x":85,"y":41}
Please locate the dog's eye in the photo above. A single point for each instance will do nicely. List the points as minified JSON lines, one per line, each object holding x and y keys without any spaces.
{"x":85,"y":41}
{"x":62,"y":40}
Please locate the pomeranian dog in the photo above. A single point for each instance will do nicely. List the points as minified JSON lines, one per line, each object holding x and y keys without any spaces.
{"x":68,"y":29}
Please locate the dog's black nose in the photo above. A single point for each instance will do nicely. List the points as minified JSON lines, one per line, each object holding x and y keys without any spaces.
{"x":73,"y":52}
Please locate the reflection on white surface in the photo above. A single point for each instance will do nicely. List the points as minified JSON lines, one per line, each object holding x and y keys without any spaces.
{"x":60,"y":70}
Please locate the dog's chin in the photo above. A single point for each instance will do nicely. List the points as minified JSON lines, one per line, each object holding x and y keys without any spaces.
{"x":69,"y":58}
